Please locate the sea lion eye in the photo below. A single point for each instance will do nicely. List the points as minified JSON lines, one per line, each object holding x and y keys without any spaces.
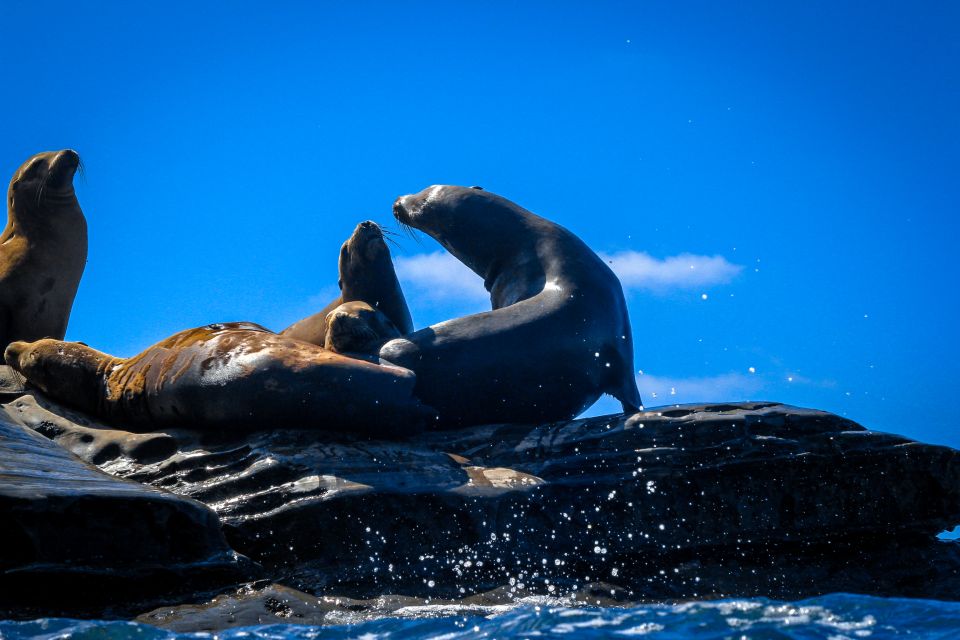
{"x":480,"y":188}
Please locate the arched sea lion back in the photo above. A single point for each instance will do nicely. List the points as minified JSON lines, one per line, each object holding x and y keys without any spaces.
{"x":558,"y":335}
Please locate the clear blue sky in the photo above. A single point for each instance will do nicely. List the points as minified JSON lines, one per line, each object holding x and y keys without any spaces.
{"x":808,"y":151}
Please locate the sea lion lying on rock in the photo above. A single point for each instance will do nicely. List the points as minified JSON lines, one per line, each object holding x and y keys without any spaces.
{"x":224,"y":377}
{"x":366,"y":275}
{"x":358,"y":328}
{"x":557,"y":338}
{"x":43,"y":249}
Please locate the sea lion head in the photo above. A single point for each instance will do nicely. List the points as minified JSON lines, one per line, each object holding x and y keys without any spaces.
{"x":356,"y":327}
{"x":69,"y":370}
{"x":364,"y":258}
{"x":478,"y":227}
{"x":45,"y":179}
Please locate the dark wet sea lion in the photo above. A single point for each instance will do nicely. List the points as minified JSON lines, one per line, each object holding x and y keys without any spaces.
{"x":557,"y":338}
{"x":358,"y":328}
{"x":43,"y":249}
{"x":225,"y":377}
{"x":366,"y":275}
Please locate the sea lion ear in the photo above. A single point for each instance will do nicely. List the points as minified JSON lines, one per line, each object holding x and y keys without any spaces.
{"x":480,"y":188}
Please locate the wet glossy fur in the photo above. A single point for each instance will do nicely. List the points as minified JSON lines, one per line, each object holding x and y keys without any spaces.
{"x":225,"y":377}
{"x":558,"y":335}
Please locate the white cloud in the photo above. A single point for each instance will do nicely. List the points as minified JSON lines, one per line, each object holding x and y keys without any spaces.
{"x":727,"y":387}
{"x":638,"y":270}
{"x":325,"y":296}
{"x":438,"y":276}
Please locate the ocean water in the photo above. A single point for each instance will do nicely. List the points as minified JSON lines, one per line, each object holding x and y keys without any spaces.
{"x":832,"y":617}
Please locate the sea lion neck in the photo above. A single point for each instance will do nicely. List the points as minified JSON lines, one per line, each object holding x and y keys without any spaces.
{"x":57,"y":214}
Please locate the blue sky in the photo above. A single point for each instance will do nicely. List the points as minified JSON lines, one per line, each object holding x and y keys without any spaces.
{"x":801,"y":156}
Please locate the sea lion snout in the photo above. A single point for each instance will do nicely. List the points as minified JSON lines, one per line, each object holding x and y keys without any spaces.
{"x":410,"y":207}
{"x":62,"y":168}
{"x":400,"y":209}
{"x":13,"y":352}
{"x":370,"y":240}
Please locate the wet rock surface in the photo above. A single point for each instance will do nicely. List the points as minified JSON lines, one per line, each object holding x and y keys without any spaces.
{"x":680,"y":502}
{"x":262,"y":604}
{"x":919,"y":571}
{"x":67,"y":525}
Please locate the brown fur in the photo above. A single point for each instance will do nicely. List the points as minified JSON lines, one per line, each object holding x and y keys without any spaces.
{"x":356,"y":327}
{"x":43,"y":249}
{"x":366,"y":275}
{"x":225,"y":377}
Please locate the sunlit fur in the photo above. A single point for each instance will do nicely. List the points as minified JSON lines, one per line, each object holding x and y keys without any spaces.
{"x":43,"y":249}
{"x":366,"y":274}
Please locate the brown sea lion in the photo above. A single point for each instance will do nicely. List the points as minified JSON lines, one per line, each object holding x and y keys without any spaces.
{"x":224,"y":377}
{"x":366,"y":275}
{"x":358,"y":328}
{"x":43,"y":249}
{"x":557,"y":338}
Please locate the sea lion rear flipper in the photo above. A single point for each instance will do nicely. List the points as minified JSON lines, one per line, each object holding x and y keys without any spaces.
{"x":629,"y":397}
{"x":623,"y":387}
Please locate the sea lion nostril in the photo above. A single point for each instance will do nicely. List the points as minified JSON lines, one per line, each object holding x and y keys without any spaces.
{"x":69,"y":156}
{"x":399,"y":210}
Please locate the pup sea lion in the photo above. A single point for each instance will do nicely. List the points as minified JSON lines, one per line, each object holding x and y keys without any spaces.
{"x":225,"y":376}
{"x":358,"y":328}
{"x":366,"y":275}
{"x":558,"y":335}
{"x":43,"y":249}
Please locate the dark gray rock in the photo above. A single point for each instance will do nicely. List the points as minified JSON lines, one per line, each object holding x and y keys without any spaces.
{"x":262,"y":604}
{"x":671,"y":503}
{"x":74,"y":539}
{"x":86,"y":438}
{"x":892,"y":570}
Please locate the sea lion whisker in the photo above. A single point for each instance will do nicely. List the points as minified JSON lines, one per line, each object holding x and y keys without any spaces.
{"x":391,"y":241}
{"x":390,"y":236}
{"x":410,"y":232}
{"x":43,"y":185}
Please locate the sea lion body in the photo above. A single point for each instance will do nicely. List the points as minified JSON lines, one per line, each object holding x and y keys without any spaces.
{"x":225,"y":377}
{"x":43,"y":249}
{"x":358,"y":328}
{"x":366,"y":275}
{"x":558,"y":335}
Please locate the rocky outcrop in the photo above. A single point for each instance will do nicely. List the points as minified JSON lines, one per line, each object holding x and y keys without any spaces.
{"x":263,"y":604}
{"x":689,"y":501}
{"x":75,"y":539}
